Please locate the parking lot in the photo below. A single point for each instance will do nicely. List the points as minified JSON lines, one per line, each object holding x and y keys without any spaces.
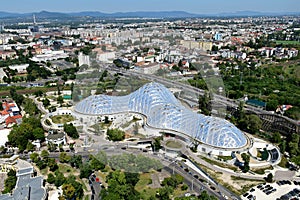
{"x":284,"y":190}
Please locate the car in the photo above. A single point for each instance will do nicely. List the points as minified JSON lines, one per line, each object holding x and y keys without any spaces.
{"x":187,"y":194}
{"x":246,"y":194}
{"x":250,"y":196}
{"x":259,"y":186}
{"x":266,"y":190}
{"x":269,"y":192}
{"x":278,"y":182}
{"x":252,"y":190}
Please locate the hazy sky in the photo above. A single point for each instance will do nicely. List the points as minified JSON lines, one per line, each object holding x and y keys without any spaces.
{"x":193,"y":6}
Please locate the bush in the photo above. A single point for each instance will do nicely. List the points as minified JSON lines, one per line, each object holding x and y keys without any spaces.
{"x":184,"y":187}
{"x":115,"y":134}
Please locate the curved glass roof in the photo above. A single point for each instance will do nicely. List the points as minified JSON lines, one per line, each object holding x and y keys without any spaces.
{"x":164,"y":111}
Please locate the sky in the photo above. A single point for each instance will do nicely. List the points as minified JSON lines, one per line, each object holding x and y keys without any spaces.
{"x":192,"y":6}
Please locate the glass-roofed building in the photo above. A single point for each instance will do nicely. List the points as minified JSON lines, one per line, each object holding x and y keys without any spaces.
{"x":164,"y":112}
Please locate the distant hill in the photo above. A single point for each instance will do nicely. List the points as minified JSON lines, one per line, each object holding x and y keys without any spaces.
{"x":7,"y":14}
{"x":140,"y":14}
{"x":254,"y":13}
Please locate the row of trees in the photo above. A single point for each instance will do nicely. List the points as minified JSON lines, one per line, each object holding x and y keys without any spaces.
{"x":42,"y":161}
{"x":10,"y":182}
{"x":203,"y":196}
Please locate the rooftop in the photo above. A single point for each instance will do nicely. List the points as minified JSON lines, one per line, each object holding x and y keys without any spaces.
{"x":164,"y":111}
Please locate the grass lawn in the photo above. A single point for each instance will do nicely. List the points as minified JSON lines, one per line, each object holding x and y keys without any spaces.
{"x":173,"y":144}
{"x":261,"y":170}
{"x":178,"y":192}
{"x":284,"y":162}
{"x":143,"y":188}
{"x":45,"y":171}
{"x":61,"y":119}
{"x":220,"y":164}
{"x":66,"y":169}
{"x":225,"y":158}
{"x":292,"y":70}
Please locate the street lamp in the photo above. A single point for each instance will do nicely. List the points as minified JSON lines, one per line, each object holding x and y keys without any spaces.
{"x":192,"y":184}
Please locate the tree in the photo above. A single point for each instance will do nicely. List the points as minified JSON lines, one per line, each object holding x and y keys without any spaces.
{"x":59,"y":178}
{"x":276,"y":137}
{"x":173,"y":181}
{"x":132,"y":178}
{"x":51,"y":178}
{"x":269,"y":178}
{"x":246,"y":159}
{"x":45,"y":154}
{"x":46,"y":102}
{"x":76,"y":161}
{"x":157,"y":144}
{"x":184,"y":187}
{"x":52,"y":164}
{"x":115,"y":134}
{"x":85,"y":170}
{"x":68,"y":191}
{"x":251,"y":124}
{"x":96,"y":164}
{"x":60,"y":100}
{"x":77,"y":186}
{"x":71,"y":130}
{"x":64,"y":157}
{"x":205,"y":196}
{"x":30,"y":146}
{"x":38,"y":134}
{"x":205,"y":103}
{"x":282,"y":146}
{"x":34,"y":157}
{"x":164,"y":193}
{"x":41,"y":164}
{"x":10,"y":182}
{"x":118,"y":188}
{"x":38,"y":93}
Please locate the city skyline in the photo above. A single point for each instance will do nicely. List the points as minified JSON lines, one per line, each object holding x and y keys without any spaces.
{"x":192,"y":6}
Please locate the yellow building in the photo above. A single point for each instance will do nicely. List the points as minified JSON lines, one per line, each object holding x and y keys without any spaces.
{"x":202,"y":45}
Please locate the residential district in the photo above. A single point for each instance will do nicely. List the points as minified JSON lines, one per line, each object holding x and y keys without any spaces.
{"x":146,"y":108}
